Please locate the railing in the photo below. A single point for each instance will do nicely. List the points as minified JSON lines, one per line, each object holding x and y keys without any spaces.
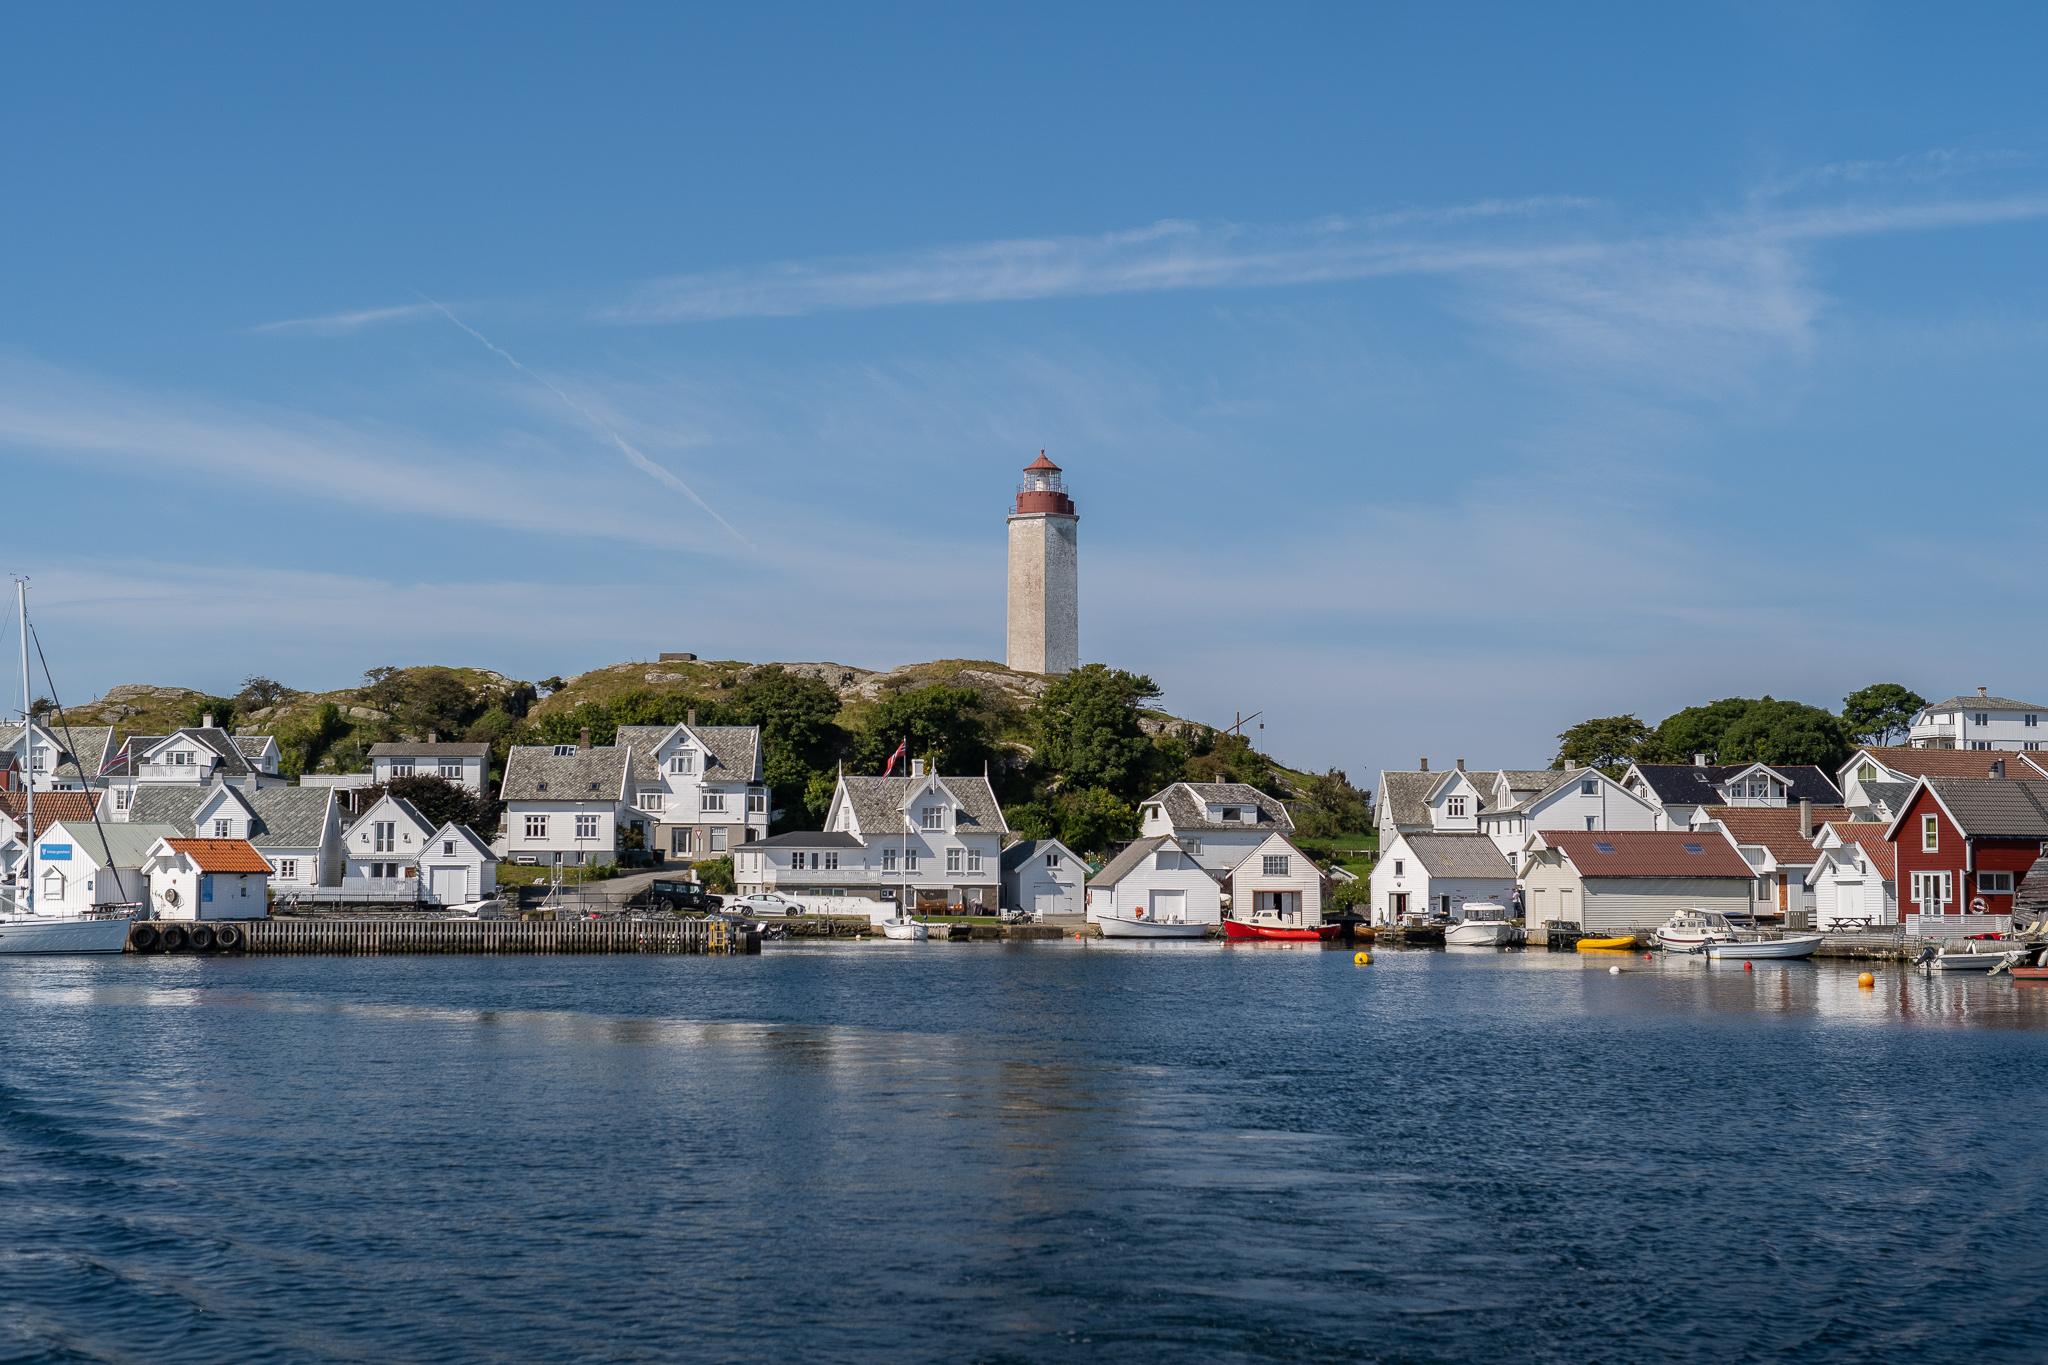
{"x":356,"y":891}
{"x":1956,"y":926}
{"x":379,"y":936}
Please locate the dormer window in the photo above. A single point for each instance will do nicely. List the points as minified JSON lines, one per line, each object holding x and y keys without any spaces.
{"x":682,"y":763}
{"x":564,"y":750}
{"x":1232,"y":814}
{"x":1590,"y":787}
{"x":932,"y":817}
{"x":1455,"y":807}
{"x":181,"y":758}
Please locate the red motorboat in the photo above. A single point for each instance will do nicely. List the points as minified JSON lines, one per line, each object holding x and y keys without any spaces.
{"x":2028,"y":973}
{"x":1274,"y":930}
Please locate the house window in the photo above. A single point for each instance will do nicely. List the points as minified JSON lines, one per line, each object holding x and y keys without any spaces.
{"x":1455,"y":808}
{"x":384,"y":837}
{"x":447,"y":848}
{"x":40,"y":761}
{"x":832,"y":861}
{"x":757,"y":803}
{"x":1981,"y":718}
{"x":1930,"y":833}
{"x":1994,"y":883}
{"x":974,"y":860}
{"x":1980,"y":744}
{"x":932,"y":817}
{"x":1590,"y":787}
{"x":1276,"y":864}
{"x":952,"y":860}
{"x":220,"y":829}
{"x":2031,"y":721}
{"x":536,"y":827}
{"x":1191,"y":847}
{"x":682,"y":762}
{"x":888,"y":860}
{"x":586,"y":826}
{"x":564,"y":750}
{"x":1232,"y":814}
{"x":452,"y":771}
{"x":910,"y":860}
{"x":679,"y":842}
{"x":718,"y":837}
{"x":287,"y":869}
{"x":1400,"y":867}
{"x":1867,"y":773}
{"x":2029,"y":745}
{"x":712,"y":803}
{"x":401,"y":767}
{"x":1931,"y":891}
{"x":180,"y":758}
{"x":1052,"y":861}
{"x":653,"y":801}
{"x":122,"y":796}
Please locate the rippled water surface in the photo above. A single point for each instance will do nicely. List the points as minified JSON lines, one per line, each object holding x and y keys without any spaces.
{"x":941,"y":1152}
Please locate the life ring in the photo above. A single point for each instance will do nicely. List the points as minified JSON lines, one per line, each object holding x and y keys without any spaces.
{"x":1138,"y":913}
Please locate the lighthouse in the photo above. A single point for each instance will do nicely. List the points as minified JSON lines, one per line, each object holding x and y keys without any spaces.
{"x":1045,"y":576}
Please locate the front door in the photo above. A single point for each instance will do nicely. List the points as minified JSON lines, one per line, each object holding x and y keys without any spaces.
{"x":1397,"y":904}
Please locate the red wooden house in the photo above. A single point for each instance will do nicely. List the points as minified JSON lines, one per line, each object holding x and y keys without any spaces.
{"x":1965,"y":844}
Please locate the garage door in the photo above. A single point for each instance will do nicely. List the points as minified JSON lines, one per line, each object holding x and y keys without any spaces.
{"x":1170,"y":906}
{"x":450,"y":885}
{"x":1050,"y":898}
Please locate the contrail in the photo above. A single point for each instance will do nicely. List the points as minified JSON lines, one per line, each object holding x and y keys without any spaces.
{"x":626,"y":447}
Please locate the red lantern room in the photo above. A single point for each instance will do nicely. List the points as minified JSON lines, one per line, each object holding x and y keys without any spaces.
{"x":1043,"y":491}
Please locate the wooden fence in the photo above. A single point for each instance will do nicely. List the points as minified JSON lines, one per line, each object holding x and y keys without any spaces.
{"x":371,"y":936}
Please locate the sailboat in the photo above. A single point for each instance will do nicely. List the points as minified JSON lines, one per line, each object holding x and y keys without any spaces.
{"x":22,"y":930}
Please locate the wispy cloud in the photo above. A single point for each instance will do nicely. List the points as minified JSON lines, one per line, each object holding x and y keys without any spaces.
{"x":340,"y":324}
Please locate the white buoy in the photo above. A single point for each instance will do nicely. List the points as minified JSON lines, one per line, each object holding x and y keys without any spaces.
{"x":1614,"y":971}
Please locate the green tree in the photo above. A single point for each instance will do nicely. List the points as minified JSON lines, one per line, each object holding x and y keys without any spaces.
{"x":440,"y":801}
{"x":259,"y":692}
{"x":1088,"y":731}
{"x":945,"y":725}
{"x":1092,"y":819}
{"x":816,"y":801}
{"x":566,"y":727}
{"x":1698,"y":730}
{"x":222,"y":709}
{"x":1880,"y":713}
{"x":1031,"y":820}
{"x":800,"y":739}
{"x":1329,"y":806}
{"x":308,"y":738}
{"x":716,"y":874}
{"x":1218,"y":757}
{"x":1609,"y":743}
{"x":1774,"y":731}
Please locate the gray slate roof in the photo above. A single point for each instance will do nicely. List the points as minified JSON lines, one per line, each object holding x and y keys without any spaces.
{"x":878,"y":803}
{"x":1459,"y":855}
{"x":1024,"y":850}
{"x":83,"y":754}
{"x":1406,"y":796}
{"x":442,"y":748}
{"x":1694,"y":784}
{"x":1185,"y":802}
{"x":232,"y":761}
{"x":128,"y":844}
{"x":1984,"y":704}
{"x":289,"y":817}
{"x":1128,"y":859}
{"x":468,"y":835}
{"x":1990,"y":808}
{"x":168,"y":803}
{"x":1893,"y":796}
{"x":807,"y":838}
{"x":733,"y":751}
{"x":535,"y":772}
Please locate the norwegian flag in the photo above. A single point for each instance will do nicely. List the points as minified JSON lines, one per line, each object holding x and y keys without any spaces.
{"x":896,"y":758}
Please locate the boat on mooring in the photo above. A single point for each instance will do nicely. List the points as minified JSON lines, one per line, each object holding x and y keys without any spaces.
{"x":1974,"y":955}
{"x":1611,"y":943}
{"x":906,"y":930}
{"x":1758,"y":948}
{"x":1273,"y":929}
{"x":1482,"y":924}
{"x":23,"y":930}
{"x":1138,"y":924}
{"x":1689,"y":931}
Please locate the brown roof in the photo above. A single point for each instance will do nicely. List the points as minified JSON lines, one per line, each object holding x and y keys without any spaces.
{"x":1868,"y":835}
{"x":51,"y":807}
{"x":1777,"y":829}
{"x":221,"y":855}
{"x":1949,"y":762}
{"x":1648,"y":853}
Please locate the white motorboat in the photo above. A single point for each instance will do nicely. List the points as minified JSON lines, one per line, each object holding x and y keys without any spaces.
{"x":1482,"y":925}
{"x":23,"y":934}
{"x":1976,"y":956}
{"x":1689,"y":931}
{"x":1757,"y":948}
{"x":1116,"y":926}
{"x":906,"y":930}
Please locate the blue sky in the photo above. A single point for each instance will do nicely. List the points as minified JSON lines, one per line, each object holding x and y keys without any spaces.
{"x":1429,"y":378}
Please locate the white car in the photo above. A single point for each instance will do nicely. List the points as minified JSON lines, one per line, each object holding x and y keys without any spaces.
{"x":762,"y":903}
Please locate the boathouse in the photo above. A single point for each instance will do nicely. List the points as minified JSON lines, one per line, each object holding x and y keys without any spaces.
{"x":1622,"y":881}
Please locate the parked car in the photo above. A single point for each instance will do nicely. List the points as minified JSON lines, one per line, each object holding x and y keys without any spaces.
{"x":764,"y":903}
{"x":675,"y":897}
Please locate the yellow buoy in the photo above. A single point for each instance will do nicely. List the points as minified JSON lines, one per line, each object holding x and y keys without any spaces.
{"x":1866,"y":981}
{"x":1361,"y":959}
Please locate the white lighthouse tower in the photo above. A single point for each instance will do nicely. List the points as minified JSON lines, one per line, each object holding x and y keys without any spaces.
{"x":1045,"y":575}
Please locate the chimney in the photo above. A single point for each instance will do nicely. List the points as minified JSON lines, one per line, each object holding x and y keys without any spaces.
{"x":1998,"y":767}
{"x":1425,"y":764}
{"x":433,"y":736}
{"x":1461,"y":765}
{"x":1983,"y":691}
{"x":690,"y":716}
{"x":1699,"y":760}
{"x":1571,"y":765}
{"x":206,"y":721}
{"x":917,"y":767}
{"x":1805,"y":818}
{"x":583,"y":739}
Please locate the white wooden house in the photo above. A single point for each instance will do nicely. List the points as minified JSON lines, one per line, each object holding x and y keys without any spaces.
{"x":1218,"y":824}
{"x":1685,"y":792}
{"x":56,"y":758}
{"x":1276,"y":881}
{"x":199,"y":756}
{"x":1044,"y":877}
{"x":1438,"y":875}
{"x":1573,"y":798}
{"x":1622,"y":881}
{"x":936,"y":840}
{"x":82,"y":865}
{"x":383,"y":847}
{"x":456,"y":866}
{"x":191,"y":879}
{"x":568,"y":804}
{"x":1156,"y":875}
{"x":1854,"y":882}
{"x":699,"y":787}
{"x":462,"y":762}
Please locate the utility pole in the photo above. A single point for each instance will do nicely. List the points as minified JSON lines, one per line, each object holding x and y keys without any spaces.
{"x":1236,"y":727}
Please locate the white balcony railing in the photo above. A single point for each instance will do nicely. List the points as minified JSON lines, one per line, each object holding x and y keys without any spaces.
{"x":1956,"y":926}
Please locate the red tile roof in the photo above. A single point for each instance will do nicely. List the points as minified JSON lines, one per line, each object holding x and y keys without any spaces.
{"x":1950,"y":762}
{"x":1777,"y":829}
{"x":51,"y":807}
{"x":221,"y":855}
{"x":1869,"y":836}
{"x":1648,"y":853}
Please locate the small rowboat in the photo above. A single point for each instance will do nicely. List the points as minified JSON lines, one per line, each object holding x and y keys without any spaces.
{"x":2028,"y":973}
{"x":1275,"y":931}
{"x":1764,"y":949}
{"x":1611,"y":944}
{"x":1137,"y":926}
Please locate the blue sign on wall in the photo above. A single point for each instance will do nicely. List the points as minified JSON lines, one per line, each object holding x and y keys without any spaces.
{"x":206,"y":886}
{"x":54,"y":853}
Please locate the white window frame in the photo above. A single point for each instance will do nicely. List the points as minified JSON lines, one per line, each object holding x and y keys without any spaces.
{"x":536,"y":826}
{"x":1943,"y":881}
{"x":1986,"y":888}
{"x":1930,"y":834}
{"x":718,"y":837}
{"x":384,"y":836}
{"x":586,"y":826}
{"x":909,"y":861}
{"x":1454,"y":807}
{"x":401,"y":767}
{"x":757,"y":803}
{"x":831,"y":860}
{"x":974,"y":860}
{"x":952,"y":862}
{"x":1589,"y":786}
{"x":286,"y":869}
{"x":221,"y":828}
{"x":1276,"y":865}
{"x":932,"y":818}
{"x":654,"y":802}
{"x":888,"y":860}
{"x":451,"y":772}
{"x":683,"y":763}
{"x":711,"y":803}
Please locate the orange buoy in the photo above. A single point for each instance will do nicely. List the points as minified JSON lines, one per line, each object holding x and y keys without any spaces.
{"x":1866,"y":981}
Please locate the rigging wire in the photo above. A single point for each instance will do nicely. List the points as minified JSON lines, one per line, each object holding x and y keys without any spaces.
{"x":106,"y":848}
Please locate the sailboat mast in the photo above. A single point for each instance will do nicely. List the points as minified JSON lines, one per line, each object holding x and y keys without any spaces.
{"x":27,"y":898}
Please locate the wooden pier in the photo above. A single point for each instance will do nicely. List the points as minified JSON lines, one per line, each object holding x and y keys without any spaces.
{"x":351,"y":937}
